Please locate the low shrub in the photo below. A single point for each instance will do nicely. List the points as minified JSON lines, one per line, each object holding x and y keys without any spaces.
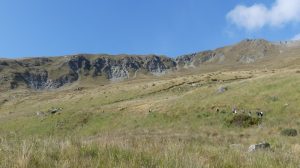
{"x":242,"y":120}
{"x":289,"y":132}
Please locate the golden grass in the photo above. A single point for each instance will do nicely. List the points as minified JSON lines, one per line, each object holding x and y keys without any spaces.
{"x":141,"y":151}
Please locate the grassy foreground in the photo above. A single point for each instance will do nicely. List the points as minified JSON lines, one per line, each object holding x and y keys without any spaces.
{"x":170,"y":122}
{"x":142,"y":152}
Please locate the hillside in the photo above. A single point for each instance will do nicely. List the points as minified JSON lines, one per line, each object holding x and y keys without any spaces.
{"x":152,"y":111}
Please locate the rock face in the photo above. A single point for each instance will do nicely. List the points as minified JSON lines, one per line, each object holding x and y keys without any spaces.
{"x":196,"y":59}
{"x":52,"y":73}
{"x":260,"y":146}
{"x":118,"y":69}
{"x":39,"y":80}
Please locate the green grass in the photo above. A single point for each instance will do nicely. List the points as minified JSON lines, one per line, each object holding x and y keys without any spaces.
{"x":144,"y":123}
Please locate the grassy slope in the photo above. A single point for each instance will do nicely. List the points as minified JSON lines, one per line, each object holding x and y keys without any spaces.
{"x":170,"y":122}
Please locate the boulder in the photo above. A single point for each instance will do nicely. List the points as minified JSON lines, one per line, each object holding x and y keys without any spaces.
{"x":260,"y":146}
{"x":54,"y":110}
{"x":222,"y":89}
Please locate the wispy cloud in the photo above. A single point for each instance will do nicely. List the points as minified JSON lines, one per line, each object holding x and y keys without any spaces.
{"x":296,"y":37}
{"x":257,"y":16}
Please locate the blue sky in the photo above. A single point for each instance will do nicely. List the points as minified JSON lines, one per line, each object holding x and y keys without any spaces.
{"x":168,"y":27}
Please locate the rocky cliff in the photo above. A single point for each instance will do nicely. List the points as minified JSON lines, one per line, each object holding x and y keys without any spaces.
{"x":51,"y":73}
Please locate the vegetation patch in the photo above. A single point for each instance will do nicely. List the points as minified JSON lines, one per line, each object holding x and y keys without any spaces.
{"x":242,"y":120}
{"x":289,"y":132}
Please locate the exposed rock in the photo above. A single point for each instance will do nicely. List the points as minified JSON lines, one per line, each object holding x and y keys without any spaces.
{"x":39,"y":80}
{"x":196,"y":59}
{"x":122,"y":68}
{"x":186,"y":60}
{"x":222,"y":89}
{"x":155,"y":65}
{"x":249,"y":58}
{"x":118,"y":73}
{"x":35,"y":80}
{"x":54,"y":110}
{"x":78,"y":63}
{"x":260,"y":146}
{"x":65,"y":79}
{"x":79,"y":89}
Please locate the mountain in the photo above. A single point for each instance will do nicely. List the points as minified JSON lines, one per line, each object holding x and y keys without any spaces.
{"x":55,"y":72}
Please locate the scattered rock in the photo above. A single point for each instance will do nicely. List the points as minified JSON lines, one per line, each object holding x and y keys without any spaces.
{"x":289,"y":132}
{"x":79,"y":89}
{"x":222,"y":89}
{"x":260,"y":146}
{"x":54,"y":110}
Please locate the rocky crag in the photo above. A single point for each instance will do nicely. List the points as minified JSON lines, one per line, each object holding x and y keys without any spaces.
{"x":51,"y":73}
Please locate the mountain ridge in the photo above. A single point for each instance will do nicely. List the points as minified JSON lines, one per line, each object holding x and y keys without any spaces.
{"x":42,"y":73}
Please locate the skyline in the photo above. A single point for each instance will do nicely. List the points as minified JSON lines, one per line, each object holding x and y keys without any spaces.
{"x":173,"y":28}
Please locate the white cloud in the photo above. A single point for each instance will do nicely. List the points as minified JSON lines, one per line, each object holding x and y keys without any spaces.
{"x":297,"y":37}
{"x":248,"y":17}
{"x":258,"y":15}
